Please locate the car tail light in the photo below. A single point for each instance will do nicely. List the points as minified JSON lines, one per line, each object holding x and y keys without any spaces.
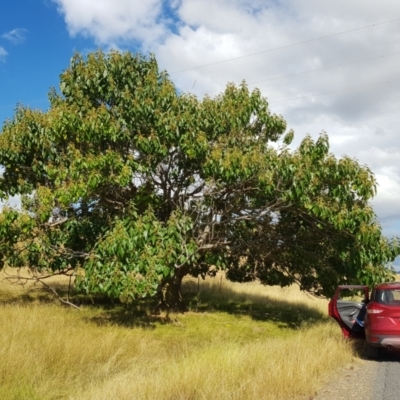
{"x":374,"y":311}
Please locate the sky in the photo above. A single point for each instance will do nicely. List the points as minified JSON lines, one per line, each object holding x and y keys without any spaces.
{"x":325,"y":66}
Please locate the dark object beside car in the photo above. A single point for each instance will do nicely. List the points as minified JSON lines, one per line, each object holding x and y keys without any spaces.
{"x":375,"y":317}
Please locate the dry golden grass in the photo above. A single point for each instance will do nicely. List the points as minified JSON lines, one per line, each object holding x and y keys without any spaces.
{"x":270,"y":368}
{"x":229,"y":349}
{"x":291,"y":294}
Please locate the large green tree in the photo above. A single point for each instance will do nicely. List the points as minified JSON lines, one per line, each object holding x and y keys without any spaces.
{"x":133,"y":185}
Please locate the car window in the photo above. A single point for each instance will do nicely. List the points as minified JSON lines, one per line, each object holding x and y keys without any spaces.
{"x":390,"y":297}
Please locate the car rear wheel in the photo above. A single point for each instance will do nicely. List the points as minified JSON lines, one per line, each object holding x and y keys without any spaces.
{"x":373,"y":353}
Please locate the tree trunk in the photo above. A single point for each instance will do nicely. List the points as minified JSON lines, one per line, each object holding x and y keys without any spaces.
{"x":169,"y":294}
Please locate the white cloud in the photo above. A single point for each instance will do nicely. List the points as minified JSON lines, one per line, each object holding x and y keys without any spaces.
{"x":13,"y":202}
{"x":3,"y":53}
{"x":339,"y":59}
{"x":110,"y":21}
{"x":15,"y":36}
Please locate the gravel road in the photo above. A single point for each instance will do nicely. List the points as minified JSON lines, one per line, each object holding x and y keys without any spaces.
{"x":367,"y":380}
{"x":387,"y":378}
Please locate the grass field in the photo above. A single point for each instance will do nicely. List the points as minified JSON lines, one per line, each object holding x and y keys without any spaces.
{"x":238,"y":341}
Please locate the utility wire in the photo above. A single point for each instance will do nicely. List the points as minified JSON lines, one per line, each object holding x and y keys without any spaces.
{"x":325,"y":68}
{"x":274,"y":78}
{"x":351,"y":89}
{"x":291,"y":45}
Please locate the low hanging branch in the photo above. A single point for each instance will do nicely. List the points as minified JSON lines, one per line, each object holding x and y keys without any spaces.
{"x":23,"y":280}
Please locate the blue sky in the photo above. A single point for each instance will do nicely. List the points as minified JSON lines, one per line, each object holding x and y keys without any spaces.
{"x":38,"y":47}
{"x":324,"y":65}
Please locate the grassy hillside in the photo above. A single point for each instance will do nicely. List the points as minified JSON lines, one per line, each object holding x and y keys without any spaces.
{"x":238,"y":341}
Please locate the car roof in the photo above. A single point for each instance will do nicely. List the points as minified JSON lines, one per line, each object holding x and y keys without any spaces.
{"x":388,"y":285}
{"x":352,"y":286}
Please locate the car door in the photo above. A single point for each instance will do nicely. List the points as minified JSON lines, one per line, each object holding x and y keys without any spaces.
{"x":346,"y":305}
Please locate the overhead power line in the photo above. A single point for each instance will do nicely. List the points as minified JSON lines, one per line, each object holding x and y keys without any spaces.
{"x":325,"y":68}
{"x":291,"y":45}
{"x":350,"y":89}
{"x":274,"y":78}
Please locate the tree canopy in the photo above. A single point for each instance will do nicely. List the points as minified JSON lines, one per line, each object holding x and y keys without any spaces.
{"x":133,"y":185}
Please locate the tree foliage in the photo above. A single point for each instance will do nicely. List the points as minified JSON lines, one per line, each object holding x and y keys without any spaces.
{"x":133,"y":185}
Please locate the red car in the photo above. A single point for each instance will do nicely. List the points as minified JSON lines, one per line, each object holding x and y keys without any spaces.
{"x":375,"y":318}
